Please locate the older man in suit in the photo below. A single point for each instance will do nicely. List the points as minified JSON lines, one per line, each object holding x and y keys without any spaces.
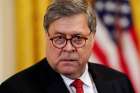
{"x":70,"y":29}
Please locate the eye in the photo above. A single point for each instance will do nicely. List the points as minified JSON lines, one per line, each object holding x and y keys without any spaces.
{"x":59,"y":40}
{"x":78,"y":39}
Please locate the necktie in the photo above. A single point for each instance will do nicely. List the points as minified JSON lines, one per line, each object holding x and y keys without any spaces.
{"x":78,"y":84}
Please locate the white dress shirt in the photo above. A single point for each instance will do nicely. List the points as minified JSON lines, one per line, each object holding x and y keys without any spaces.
{"x":88,"y":86}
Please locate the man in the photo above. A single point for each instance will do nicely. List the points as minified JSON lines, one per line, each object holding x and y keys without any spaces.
{"x":70,"y":28}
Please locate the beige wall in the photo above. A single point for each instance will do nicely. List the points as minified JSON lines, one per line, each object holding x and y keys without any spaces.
{"x":6,"y":39}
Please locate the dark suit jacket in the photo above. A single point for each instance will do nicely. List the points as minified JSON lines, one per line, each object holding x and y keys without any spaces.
{"x":40,"y":78}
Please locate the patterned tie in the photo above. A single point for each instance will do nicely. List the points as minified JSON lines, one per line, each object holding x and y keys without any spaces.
{"x":78,"y":84}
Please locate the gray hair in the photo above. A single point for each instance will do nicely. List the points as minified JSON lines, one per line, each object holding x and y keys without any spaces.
{"x":62,"y":8}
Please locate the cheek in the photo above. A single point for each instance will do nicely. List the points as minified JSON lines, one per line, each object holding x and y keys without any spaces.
{"x":89,"y":46}
{"x":51,"y":50}
{"x":52,"y":53}
{"x":86,"y":51}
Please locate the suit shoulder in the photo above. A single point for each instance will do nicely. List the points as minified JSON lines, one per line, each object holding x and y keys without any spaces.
{"x":105,"y":72}
{"x":105,"y":76}
{"x":30,"y":74}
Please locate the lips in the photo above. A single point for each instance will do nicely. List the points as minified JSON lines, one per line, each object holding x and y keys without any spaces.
{"x":68,"y":60}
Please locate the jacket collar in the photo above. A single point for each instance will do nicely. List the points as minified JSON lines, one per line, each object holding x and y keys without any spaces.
{"x":52,"y":82}
{"x":101,"y":84}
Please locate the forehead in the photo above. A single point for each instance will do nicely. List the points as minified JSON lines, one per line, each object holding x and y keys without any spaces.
{"x":76,"y":24}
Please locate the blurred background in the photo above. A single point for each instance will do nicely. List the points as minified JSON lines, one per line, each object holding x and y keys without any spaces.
{"x":117,"y":41}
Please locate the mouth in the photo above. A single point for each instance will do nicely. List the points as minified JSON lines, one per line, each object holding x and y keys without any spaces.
{"x":68,"y":63}
{"x":69,"y":60}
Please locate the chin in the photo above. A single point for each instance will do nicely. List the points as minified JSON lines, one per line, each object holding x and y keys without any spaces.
{"x":71,"y":74}
{"x":67,"y":71}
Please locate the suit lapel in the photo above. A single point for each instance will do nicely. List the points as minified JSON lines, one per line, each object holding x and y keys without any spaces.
{"x":51,"y":81}
{"x":102,"y":86}
{"x":57,"y":87}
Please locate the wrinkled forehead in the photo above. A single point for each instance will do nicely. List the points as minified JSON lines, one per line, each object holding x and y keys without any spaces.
{"x":76,"y":24}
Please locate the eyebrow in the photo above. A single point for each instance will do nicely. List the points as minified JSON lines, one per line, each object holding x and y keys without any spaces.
{"x":58,"y":33}
{"x":64,"y":34}
{"x":77,"y":33}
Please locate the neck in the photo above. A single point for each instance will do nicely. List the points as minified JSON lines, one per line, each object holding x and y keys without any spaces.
{"x":75,"y":76}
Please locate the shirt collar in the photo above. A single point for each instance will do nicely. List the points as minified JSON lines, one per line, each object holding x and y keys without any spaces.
{"x":85,"y":78}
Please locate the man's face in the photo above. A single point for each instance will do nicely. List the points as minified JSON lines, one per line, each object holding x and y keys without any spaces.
{"x":69,"y":60}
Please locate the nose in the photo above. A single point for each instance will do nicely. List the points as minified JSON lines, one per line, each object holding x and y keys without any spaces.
{"x":69,"y":47}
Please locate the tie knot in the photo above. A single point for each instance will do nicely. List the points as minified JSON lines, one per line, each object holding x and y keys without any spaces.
{"x":77,"y":83}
